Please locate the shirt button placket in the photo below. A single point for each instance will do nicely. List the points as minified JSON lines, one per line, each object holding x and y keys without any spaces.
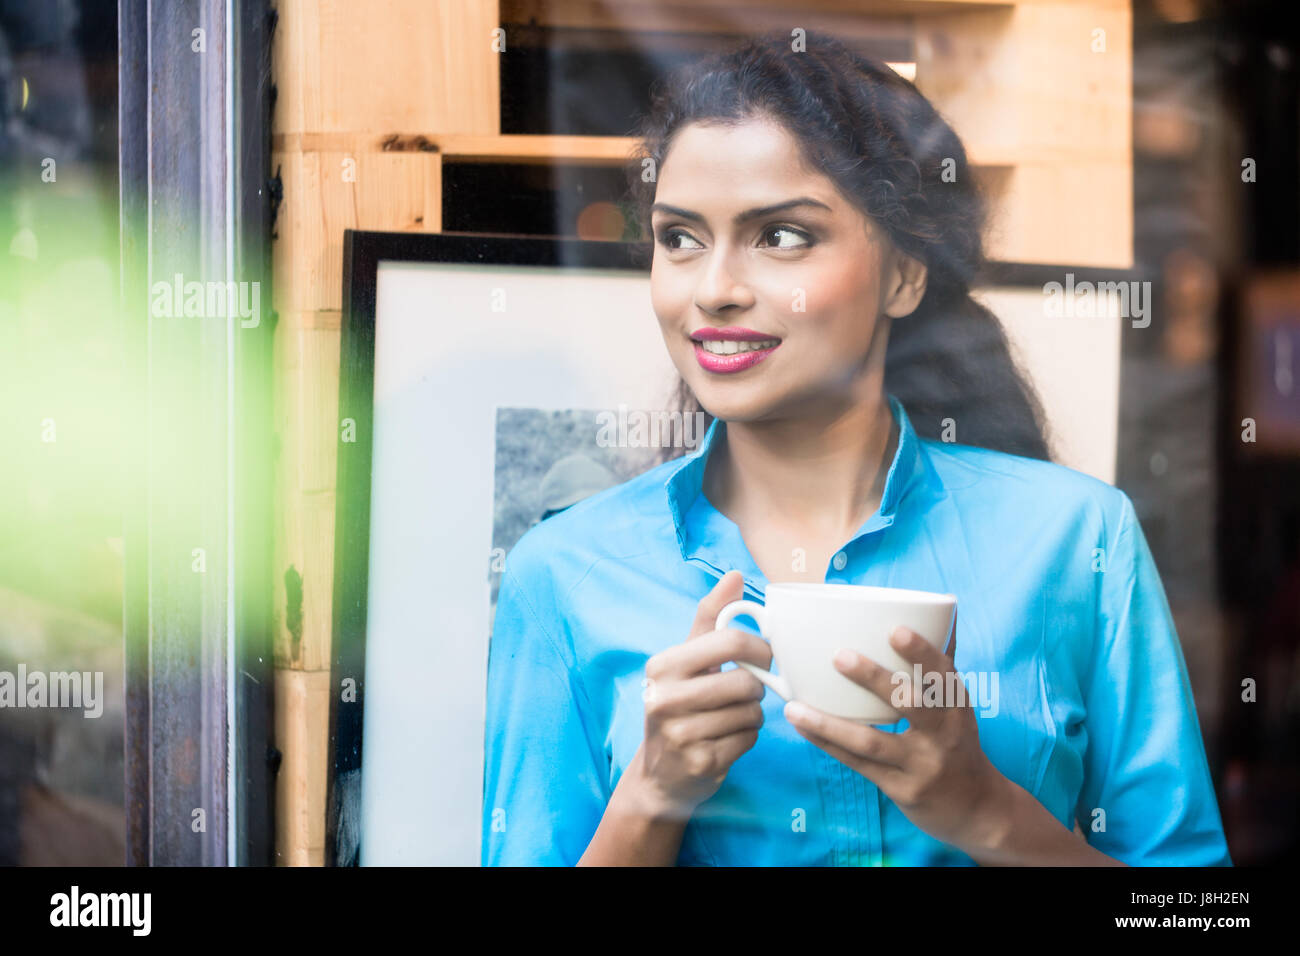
{"x":866,"y":819}
{"x":875,"y":838}
{"x":855,"y":799}
{"x":832,"y":786}
{"x":856,"y":816}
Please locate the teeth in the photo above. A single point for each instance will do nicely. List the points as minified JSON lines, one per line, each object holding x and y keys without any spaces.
{"x":731,"y":346}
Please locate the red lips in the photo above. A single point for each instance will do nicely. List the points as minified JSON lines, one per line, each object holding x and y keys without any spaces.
{"x":736,"y":361}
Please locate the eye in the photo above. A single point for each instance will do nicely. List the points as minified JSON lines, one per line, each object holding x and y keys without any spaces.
{"x":804,"y":242}
{"x":668,"y":235}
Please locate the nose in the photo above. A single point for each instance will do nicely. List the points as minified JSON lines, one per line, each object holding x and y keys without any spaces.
{"x":722,"y":283}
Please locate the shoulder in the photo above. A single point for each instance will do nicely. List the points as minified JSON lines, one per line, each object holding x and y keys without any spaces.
{"x":1033,"y":491}
{"x":621,"y":521}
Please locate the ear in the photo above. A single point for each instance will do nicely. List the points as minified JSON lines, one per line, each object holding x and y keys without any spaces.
{"x":905,"y":284}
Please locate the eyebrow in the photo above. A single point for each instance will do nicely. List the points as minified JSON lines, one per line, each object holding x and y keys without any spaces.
{"x":748,"y":214}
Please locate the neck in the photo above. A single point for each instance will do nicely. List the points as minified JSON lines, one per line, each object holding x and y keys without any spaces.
{"x":824,"y":474}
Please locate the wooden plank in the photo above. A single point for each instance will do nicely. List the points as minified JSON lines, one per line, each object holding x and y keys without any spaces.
{"x":308,"y":376}
{"x":304,"y":584}
{"x":1024,"y":85}
{"x":394,"y":64}
{"x":305,"y":396}
{"x":1025,"y":89}
{"x":1074,"y":102}
{"x":304,"y":567}
{"x":1077,"y":213}
{"x":590,"y":12}
{"x":302,"y":736}
{"x":461,"y":147}
{"x":587,"y":150}
{"x":845,"y":19}
{"x":328,"y":192}
{"x":858,"y":18}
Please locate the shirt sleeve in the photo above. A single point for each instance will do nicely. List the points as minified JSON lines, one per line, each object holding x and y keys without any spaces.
{"x":1145,"y":764}
{"x":545,"y":769}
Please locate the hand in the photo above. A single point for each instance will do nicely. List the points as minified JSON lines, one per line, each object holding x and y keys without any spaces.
{"x":935,"y":772}
{"x":698,"y":720}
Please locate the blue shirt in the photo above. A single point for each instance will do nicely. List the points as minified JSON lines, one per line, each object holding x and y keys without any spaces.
{"x":1056,"y":591}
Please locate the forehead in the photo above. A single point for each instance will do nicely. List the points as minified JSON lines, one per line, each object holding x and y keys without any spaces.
{"x":733,"y":167}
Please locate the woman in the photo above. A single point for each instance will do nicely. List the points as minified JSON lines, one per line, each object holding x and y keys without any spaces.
{"x":816,"y":233}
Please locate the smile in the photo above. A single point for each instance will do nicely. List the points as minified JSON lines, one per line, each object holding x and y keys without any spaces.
{"x":731,"y":349}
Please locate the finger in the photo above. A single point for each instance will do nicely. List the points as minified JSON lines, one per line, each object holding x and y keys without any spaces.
{"x":881,"y":681}
{"x":895,"y":688}
{"x":712,"y":724}
{"x":727,"y":750}
{"x":706,"y":692}
{"x":750,"y":648}
{"x":862,"y":741}
{"x":924,"y":705}
{"x":935,"y":667}
{"x":915,"y":649}
{"x":883,"y":775}
{"x":730,"y":587}
{"x":709,"y":652}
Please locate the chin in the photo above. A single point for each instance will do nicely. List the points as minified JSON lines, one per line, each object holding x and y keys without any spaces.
{"x":731,"y":404}
{"x":741,"y":397}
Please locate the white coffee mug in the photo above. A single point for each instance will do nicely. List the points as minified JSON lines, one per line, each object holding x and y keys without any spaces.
{"x":806,"y":623}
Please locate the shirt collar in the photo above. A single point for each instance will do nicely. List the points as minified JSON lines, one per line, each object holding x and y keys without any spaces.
{"x":910,"y":469}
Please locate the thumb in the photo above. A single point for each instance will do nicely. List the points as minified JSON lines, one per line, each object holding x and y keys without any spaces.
{"x":730,"y":587}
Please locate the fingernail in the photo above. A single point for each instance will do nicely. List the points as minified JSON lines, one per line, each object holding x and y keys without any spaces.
{"x":845,"y":657}
{"x":796,"y":711}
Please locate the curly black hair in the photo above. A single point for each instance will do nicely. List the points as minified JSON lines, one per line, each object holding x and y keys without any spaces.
{"x":875,"y":135}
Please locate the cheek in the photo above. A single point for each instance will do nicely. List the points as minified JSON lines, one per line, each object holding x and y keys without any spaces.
{"x":840,"y":304}
{"x":669,"y":297}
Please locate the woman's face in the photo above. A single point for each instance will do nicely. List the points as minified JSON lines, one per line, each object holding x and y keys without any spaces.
{"x":769,"y":285}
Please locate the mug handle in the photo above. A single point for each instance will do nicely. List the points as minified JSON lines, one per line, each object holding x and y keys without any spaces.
{"x":752,"y":609}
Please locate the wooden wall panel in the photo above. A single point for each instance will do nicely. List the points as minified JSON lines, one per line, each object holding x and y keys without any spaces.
{"x":300,"y":784}
{"x":1029,"y":89}
{"x":328,"y":192}
{"x":1078,"y":213}
{"x":353,"y":80}
{"x":306,"y":410}
{"x":386,"y":65}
